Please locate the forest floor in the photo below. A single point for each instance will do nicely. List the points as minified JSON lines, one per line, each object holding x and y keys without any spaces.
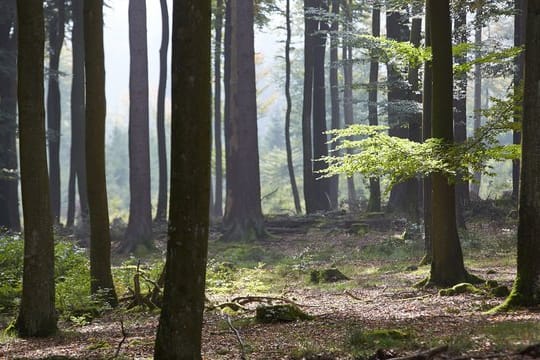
{"x":377,"y":314}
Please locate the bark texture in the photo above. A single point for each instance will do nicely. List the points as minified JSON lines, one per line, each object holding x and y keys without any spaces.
{"x":217,"y":209}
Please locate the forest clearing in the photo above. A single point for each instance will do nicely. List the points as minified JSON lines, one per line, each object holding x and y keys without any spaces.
{"x":377,"y":314}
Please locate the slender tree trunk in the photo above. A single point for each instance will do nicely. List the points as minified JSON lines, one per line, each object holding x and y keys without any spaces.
{"x":180,"y":324}
{"x":519,"y":40}
{"x":37,"y":314}
{"x":161,"y":212}
{"x":460,"y":111}
{"x":374,"y":203}
{"x":288,"y":146}
{"x":447,"y":266}
{"x":78,"y":162}
{"x":139,"y":229}
{"x":9,"y":197}
{"x":56,"y":40}
{"x":334,"y":95}
{"x":218,"y":193}
{"x":243,"y":218}
{"x":475,"y":185}
{"x":348,"y":111}
{"x":100,"y":242}
{"x":526,"y":290}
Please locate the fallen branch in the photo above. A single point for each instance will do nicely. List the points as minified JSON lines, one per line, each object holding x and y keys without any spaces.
{"x":124,"y":336}
{"x":243,"y":300}
{"x":425,"y":355}
{"x":347,"y":292}
{"x":237,"y":335}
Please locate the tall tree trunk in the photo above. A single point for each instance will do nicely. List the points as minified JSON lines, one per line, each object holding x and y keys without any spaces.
{"x":100,"y":242}
{"x":139,"y":229}
{"x":288,"y":147}
{"x":9,"y":197}
{"x":78,"y":162}
{"x":161,"y":212}
{"x":56,"y":40}
{"x":180,"y":324}
{"x":218,"y":201}
{"x":447,"y":266}
{"x":348,"y":111}
{"x":460,"y":111}
{"x":37,"y":314}
{"x":426,"y":134}
{"x":526,"y":290}
{"x":519,"y":40}
{"x":334,"y":95}
{"x":374,"y":203}
{"x":243,"y":218}
{"x":475,"y":185}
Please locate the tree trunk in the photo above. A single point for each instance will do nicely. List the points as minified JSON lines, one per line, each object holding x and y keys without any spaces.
{"x":288,"y":146}
{"x":37,"y":314}
{"x":100,"y":242}
{"x":519,"y":40}
{"x":56,"y":40}
{"x":475,"y":185}
{"x":9,"y":197}
{"x":243,"y":218}
{"x":218,"y":201}
{"x":78,"y":163}
{"x":180,"y":323}
{"x":374,"y":203}
{"x":526,"y":290}
{"x":139,"y":229}
{"x":447,"y":264}
{"x":460,"y":111}
{"x":161,"y":212}
{"x":334,"y":96}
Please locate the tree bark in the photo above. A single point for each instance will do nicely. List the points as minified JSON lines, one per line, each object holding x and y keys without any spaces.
{"x":243,"y":218}
{"x":37,"y":314}
{"x":161,"y":211}
{"x":56,"y":40}
{"x":218,"y":193}
{"x":334,"y":96}
{"x":288,"y":147}
{"x":475,"y":185}
{"x":180,"y":323}
{"x":100,"y":242}
{"x":447,"y":266}
{"x":139,"y":229}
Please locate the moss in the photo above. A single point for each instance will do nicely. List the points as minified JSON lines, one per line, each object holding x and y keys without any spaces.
{"x":500,"y":291}
{"x":280,"y":313}
{"x":327,"y":276}
{"x":462,"y":288}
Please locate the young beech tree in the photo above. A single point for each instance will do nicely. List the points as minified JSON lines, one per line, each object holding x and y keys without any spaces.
{"x":180,"y":323}
{"x":100,"y":241}
{"x":37,"y":315}
{"x":526,"y":290}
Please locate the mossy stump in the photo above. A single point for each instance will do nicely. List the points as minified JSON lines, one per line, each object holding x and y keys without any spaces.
{"x":327,"y":276}
{"x":280,"y":313}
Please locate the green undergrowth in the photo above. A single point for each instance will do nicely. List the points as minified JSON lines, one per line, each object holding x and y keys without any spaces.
{"x":363,"y":343}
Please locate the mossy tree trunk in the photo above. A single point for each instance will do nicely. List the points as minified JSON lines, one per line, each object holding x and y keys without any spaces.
{"x":100,"y":242}
{"x":37,"y":314}
{"x":243,"y":218}
{"x":447,"y":266}
{"x":526,"y":290}
{"x":180,"y":323}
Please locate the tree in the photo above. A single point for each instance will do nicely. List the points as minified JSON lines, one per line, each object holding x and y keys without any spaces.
{"x":56,"y":40}
{"x":161,"y":212}
{"x":243,"y":218}
{"x":37,"y":314}
{"x":334,"y":94}
{"x":101,"y":281}
{"x":526,"y":289}
{"x":9,"y":197}
{"x":316,"y":191}
{"x":374,"y":203}
{"x":77,"y":172}
{"x":218,"y":201}
{"x":475,"y":185}
{"x":288,"y":147}
{"x":447,"y":266}
{"x":180,"y":323}
{"x":139,"y":229}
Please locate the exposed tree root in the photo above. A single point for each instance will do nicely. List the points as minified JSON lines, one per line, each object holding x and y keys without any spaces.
{"x":424,"y":355}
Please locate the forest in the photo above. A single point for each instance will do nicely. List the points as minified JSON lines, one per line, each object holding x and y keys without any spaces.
{"x":270,"y":179}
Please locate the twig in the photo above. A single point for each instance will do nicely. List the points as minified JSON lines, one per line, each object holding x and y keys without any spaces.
{"x":425,"y":355}
{"x":347,"y":292}
{"x":237,"y":334}
{"x":124,"y":336}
